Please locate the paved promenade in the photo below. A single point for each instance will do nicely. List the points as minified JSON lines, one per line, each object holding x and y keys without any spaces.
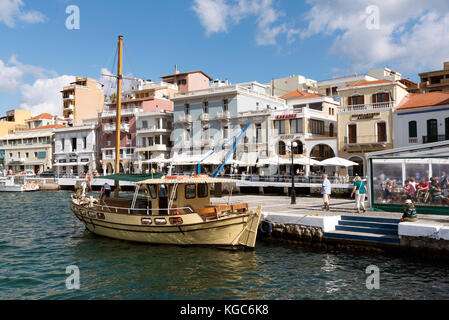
{"x":312,"y":205}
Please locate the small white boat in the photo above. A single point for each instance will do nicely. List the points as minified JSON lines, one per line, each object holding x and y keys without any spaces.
{"x":17,"y":184}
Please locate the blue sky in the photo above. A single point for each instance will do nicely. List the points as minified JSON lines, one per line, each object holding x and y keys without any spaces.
{"x":243,"y":40}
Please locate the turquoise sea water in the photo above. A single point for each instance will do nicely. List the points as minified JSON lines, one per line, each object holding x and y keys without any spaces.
{"x":40,"y":237}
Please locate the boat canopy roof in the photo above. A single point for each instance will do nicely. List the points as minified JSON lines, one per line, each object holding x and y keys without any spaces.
{"x":186,"y":180}
{"x":131,"y":177}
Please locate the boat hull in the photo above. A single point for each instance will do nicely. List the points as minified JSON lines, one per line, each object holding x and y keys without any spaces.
{"x":235,"y":230}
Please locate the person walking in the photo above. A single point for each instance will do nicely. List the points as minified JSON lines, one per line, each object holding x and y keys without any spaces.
{"x":359,"y":190}
{"x":105,"y":191}
{"x":326,"y":191}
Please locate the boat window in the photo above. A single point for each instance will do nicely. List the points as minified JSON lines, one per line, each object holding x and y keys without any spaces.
{"x":190,"y":191}
{"x":152,"y":191}
{"x":203,"y":190}
{"x":163,"y":191}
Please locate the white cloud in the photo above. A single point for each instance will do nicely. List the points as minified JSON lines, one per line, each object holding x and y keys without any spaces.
{"x":219,"y":15}
{"x":412,"y":34}
{"x":44,"y":95}
{"x":12,"y":10}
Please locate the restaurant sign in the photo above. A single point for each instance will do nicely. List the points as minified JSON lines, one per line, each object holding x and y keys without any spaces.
{"x":365,"y":116}
{"x":286,"y":116}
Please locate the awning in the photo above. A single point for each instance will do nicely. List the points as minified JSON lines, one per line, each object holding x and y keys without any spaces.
{"x":131,"y":177}
{"x":249,"y":159}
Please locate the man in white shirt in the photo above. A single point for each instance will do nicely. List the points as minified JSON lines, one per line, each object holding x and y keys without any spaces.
{"x":326,"y":191}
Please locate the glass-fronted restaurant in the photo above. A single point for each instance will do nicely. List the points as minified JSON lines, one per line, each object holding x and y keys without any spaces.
{"x":423,"y":179}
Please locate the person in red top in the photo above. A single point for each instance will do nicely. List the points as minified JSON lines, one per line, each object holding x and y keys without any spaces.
{"x":422,"y":188}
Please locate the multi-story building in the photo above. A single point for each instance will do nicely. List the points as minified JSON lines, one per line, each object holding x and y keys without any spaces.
{"x":14,"y":120}
{"x":365,"y":119}
{"x":30,"y":149}
{"x":131,"y":107}
{"x":76,"y":149}
{"x":188,"y":81}
{"x":421,"y":118}
{"x":82,"y":99}
{"x":311,"y":122}
{"x":282,"y":86}
{"x":206,"y":119}
{"x":435,"y":80}
{"x":45,"y":119}
{"x":153,"y":140}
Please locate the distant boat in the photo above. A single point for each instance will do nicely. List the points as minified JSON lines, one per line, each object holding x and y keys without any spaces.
{"x":17,"y":184}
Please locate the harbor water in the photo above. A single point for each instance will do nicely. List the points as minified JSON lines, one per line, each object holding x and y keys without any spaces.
{"x":40,"y":238}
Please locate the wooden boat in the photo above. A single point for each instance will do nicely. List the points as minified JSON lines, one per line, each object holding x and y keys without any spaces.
{"x":17,"y":184}
{"x":170,"y":211}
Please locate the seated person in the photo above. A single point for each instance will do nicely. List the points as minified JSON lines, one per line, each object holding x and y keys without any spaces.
{"x":422,"y":188}
{"x":443,"y":180}
{"x":436,"y":193}
{"x":409,"y":191}
{"x":409,"y":212}
{"x":388,"y":191}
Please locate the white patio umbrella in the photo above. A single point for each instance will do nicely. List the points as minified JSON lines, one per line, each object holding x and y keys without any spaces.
{"x":340,"y":162}
{"x":306,"y":161}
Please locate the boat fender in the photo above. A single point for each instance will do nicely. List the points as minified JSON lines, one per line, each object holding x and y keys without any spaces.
{"x":265,"y":227}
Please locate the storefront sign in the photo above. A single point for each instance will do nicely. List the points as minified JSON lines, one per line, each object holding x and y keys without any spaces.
{"x":72,"y":160}
{"x":286,"y":116}
{"x":84,"y":160}
{"x":287,"y":137}
{"x":364,"y":116}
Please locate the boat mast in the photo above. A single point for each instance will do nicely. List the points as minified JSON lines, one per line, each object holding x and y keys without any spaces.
{"x":119,"y":114}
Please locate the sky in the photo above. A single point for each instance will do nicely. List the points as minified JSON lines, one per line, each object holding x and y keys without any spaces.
{"x":242,"y":40}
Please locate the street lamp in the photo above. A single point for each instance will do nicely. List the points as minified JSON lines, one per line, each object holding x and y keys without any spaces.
{"x":293,"y":193}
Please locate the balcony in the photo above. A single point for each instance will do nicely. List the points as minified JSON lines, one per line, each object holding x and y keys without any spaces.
{"x":187,"y":144}
{"x":223,"y":115}
{"x":207,"y":142}
{"x":16,"y":160}
{"x":153,"y":148}
{"x":70,"y":107}
{"x":124,"y":112}
{"x":69,"y":97}
{"x":124,"y":127}
{"x":153,"y":129}
{"x":367,"y":107}
{"x":185,"y":118}
{"x":205,"y":117}
{"x":436,"y":138}
{"x":365,"y":140}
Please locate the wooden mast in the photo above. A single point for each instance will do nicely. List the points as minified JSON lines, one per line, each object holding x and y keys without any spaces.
{"x":119,"y":114}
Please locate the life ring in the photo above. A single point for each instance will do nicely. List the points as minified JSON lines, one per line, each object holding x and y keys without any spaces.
{"x":25,"y":187}
{"x":265,"y":227}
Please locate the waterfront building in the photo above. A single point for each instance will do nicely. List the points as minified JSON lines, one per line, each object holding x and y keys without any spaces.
{"x":206,"y":119}
{"x":330,"y":87}
{"x":30,"y":149}
{"x":188,"y":81}
{"x":421,"y":118}
{"x":311,"y":122}
{"x":76,"y":149}
{"x":145,"y":98}
{"x":153,"y":140}
{"x":45,"y":119}
{"x":365,"y":119}
{"x":82,"y":99}
{"x":14,"y":120}
{"x":435,"y":80}
{"x":282,"y":86}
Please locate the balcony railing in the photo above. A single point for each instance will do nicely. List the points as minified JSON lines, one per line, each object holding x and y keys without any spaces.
{"x":185,"y":118}
{"x":222,"y":115}
{"x":153,"y":129}
{"x":124,"y":127}
{"x":367,"y":107}
{"x":69,"y":97}
{"x":124,"y":112}
{"x":370,"y":139}
{"x":153,"y":148}
{"x":205,"y":117}
{"x":436,"y":138}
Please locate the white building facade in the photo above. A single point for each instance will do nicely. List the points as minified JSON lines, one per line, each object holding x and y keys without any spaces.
{"x":76,"y":150}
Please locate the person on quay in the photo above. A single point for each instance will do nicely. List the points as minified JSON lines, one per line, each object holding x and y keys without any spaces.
{"x":105,"y":191}
{"x":359,"y":190}
{"x":409,"y":212}
{"x":326,"y":191}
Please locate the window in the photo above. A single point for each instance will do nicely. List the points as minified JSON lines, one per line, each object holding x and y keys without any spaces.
{"x":35,"y":155}
{"x":381,"y":132}
{"x":73,"y":144}
{"x":206,"y":107}
{"x":182,"y":82}
{"x":258,"y":133}
{"x":62,"y":144}
{"x":355,"y":100}
{"x":85,"y":143}
{"x":157,"y":139}
{"x":279,"y":125}
{"x":225,"y":105}
{"x":226,"y":132}
{"x":144,"y":124}
{"x":108,"y":141}
{"x":150,"y":141}
{"x":296,"y":126}
{"x":152,"y":191}
{"x":190,"y":191}
{"x":316,"y":106}
{"x":281,"y":148}
{"x":203,"y":190}
{"x":316,"y":127}
{"x":27,"y":155}
{"x":187,"y":109}
{"x":352,"y":133}
{"x":331,"y":130}
{"x":446,"y":129}
{"x":299,"y":148}
{"x":381,"y":97}
{"x":432,"y":130}
{"x":412,"y":129}
{"x":144,"y":142}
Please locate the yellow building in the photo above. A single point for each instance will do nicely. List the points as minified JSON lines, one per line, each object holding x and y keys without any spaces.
{"x":82,"y":99}
{"x":365,"y":119}
{"x":14,"y":120}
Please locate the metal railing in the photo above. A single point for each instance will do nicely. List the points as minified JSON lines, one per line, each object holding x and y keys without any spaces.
{"x":436,"y":138}
{"x":365,"y":139}
{"x":132,"y":211}
{"x":366,"y":107}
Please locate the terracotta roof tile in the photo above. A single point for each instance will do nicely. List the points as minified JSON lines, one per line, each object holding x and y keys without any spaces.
{"x":298,"y":94}
{"x":421,"y":100}
{"x":53,"y":126}
{"x":367,"y":83}
{"x":42,"y":116}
